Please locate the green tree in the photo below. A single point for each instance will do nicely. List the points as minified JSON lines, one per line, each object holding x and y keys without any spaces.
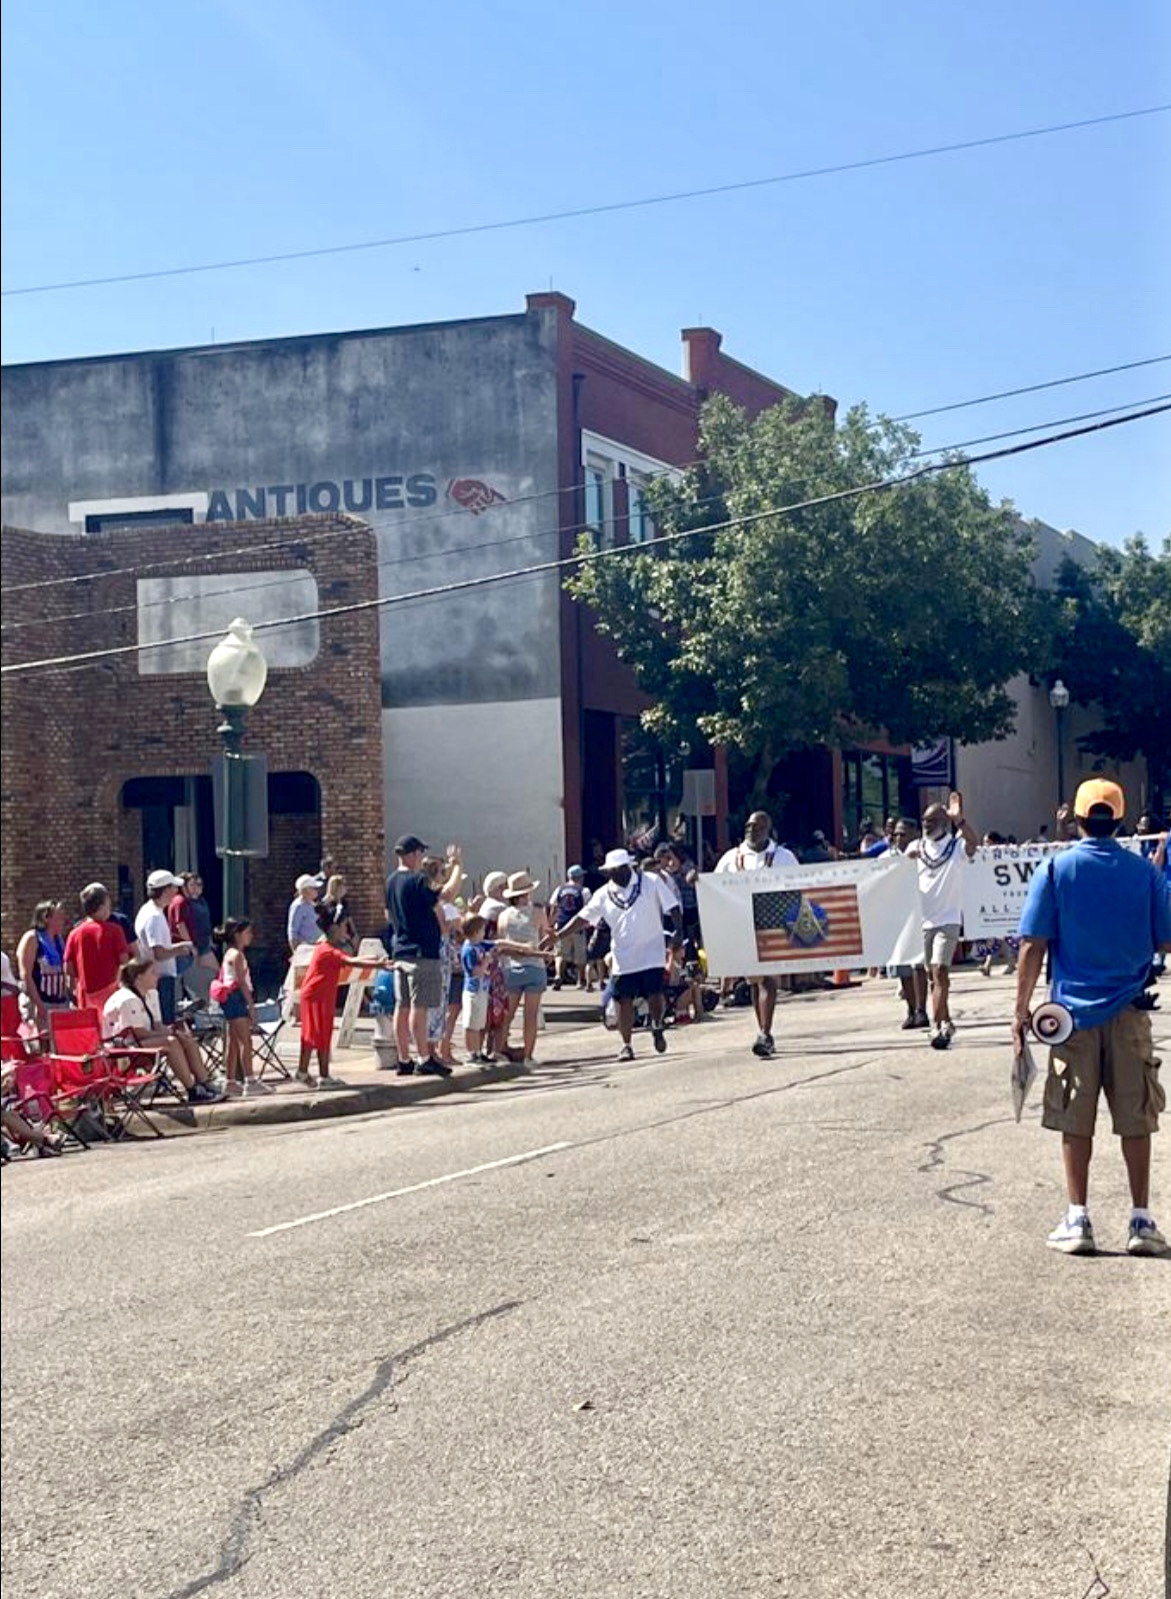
{"x":902,"y":612}
{"x":1112,"y":648}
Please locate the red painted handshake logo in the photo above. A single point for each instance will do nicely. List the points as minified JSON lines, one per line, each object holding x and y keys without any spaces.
{"x":475,"y":496}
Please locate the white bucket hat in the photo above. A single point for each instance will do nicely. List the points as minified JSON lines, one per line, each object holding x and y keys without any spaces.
{"x":616,"y":858}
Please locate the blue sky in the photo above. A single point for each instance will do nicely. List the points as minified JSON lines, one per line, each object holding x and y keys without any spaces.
{"x":139,"y":135}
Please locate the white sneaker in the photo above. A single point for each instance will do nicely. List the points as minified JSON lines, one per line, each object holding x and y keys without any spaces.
{"x":254,"y":1088}
{"x":1073,"y":1237}
{"x":1144,"y":1238}
{"x":307,"y":1080}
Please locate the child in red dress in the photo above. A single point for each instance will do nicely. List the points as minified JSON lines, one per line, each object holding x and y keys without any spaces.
{"x":318,"y":996}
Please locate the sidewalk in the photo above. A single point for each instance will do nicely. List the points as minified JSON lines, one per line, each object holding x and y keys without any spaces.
{"x":568,"y":1014}
{"x":575,"y":1039}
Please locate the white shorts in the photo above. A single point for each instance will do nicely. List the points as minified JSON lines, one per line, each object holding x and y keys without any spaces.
{"x":474,"y":1011}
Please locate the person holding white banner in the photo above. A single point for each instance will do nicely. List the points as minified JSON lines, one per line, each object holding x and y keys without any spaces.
{"x":634,"y":905}
{"x":912,"y":975}
{"x":943,"y":854}
{"x":1102,"y":911}
{"x":760,"y":852}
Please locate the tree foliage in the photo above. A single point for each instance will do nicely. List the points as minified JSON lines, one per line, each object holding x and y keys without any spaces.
{"x":901,"y":612}
{"x":1112,"y":648}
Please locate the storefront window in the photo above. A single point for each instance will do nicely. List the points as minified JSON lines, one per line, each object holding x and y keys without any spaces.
{"x":873,"y":788}
{"x":652,"y":784}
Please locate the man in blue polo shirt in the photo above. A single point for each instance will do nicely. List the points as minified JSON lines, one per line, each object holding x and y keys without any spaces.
{"x":1103,"y":911}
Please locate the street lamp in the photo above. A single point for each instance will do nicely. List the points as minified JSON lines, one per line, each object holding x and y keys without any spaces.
{"x":236,"y":675}
{"x":1059,"y":699}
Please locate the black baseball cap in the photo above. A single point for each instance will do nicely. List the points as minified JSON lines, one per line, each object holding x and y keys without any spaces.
{"x":408,"y":844}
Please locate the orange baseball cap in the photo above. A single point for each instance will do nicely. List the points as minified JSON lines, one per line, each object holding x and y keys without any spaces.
{"x":1097,"y":791}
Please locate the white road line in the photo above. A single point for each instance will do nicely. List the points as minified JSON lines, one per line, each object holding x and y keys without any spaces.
{"x":413,"y":1188}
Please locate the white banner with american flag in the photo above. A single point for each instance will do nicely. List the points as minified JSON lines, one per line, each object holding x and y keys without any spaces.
{"x":843,"y":915}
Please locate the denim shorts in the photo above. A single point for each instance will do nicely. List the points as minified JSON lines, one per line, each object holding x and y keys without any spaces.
{"x":526,"y":979}
{"x":235,"y":1006}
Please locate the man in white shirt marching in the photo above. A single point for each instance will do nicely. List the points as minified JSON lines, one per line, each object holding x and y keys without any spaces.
{"x":942,"y":855}
{"x":760,"y":852}
{"x":634,"y":905}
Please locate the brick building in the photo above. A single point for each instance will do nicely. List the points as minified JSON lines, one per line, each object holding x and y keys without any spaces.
{"x":106,"y":767}
{"x":471,"y":448}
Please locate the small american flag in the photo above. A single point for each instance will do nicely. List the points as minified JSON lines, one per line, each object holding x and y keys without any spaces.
{"x":791,"y":926}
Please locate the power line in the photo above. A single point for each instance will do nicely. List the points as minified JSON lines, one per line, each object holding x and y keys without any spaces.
{"x":1031,"y":388}
{"x":589,"y":557}
{"x":308,"y":534}
{"x":1038,"y":427}
{"x":592,"y":210}
{"x":397,"y":561}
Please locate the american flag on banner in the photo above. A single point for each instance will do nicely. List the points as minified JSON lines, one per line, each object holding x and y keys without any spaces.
{"x":791,"y":926}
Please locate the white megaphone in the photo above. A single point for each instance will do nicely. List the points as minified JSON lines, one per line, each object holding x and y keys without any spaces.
{"x":1051,"y":1023}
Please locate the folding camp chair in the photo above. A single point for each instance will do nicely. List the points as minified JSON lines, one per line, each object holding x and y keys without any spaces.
{"x":69,"y":1095}
{"x":207,"y":1029}
{"x":133,"y":1074}
{"x":270,"y":1024}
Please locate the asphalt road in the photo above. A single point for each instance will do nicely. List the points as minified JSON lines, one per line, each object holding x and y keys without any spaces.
{"x":704,"y":1326}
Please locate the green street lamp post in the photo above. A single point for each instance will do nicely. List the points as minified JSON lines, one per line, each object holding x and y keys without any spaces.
{"x":236,"y":675}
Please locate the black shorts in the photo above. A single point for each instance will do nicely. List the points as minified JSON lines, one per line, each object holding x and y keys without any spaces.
{"x":455,"y":988}
{"x":639,"y":985}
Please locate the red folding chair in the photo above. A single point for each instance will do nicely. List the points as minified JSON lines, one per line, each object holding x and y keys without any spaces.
{"x":133,"y":1074}
{"x":70,"y":1095}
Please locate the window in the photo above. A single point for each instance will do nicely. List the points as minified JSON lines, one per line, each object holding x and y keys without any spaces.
{"x":642,"y":526}
{"x":121,"y":521}
{"x":598,"y":503}
{"x":139,"y":510}
{"x":603,"y":461}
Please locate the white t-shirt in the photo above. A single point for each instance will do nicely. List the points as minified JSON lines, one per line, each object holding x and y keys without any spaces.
{"x":634,"y":915}
{"x":941,"y":864}
{"x":746,"y":859}
{"x":153,"y":931}
{"x":671,"y":883}
{"x":126,"y":1009}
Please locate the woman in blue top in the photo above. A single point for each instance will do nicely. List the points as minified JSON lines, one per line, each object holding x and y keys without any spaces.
{"x":40,"y":961}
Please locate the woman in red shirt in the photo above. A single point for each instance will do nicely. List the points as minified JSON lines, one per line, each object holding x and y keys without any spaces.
{"x":318,"y":996}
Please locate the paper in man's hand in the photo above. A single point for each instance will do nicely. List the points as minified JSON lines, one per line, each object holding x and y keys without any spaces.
{"x":1024,"y":1074}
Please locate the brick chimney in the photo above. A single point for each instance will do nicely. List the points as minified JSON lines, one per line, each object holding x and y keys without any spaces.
{"x":551,"y":300}
{"x":701,"y":352}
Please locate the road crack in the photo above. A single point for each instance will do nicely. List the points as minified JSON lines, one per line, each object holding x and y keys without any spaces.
{"x":937,"y":1155}
{"x":234,"y":1550}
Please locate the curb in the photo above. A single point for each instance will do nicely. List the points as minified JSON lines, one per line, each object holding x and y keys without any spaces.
{"x":174,"y":1120}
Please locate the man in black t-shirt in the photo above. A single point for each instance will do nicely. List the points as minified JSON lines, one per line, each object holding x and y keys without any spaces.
{"x":411,"y":901}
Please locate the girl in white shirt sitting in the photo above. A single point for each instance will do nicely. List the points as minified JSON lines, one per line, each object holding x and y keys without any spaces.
{"x":131,"y":1016}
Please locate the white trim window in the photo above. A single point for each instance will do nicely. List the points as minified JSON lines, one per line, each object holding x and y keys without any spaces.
{"x":139,"y":510}
{"x":603,"y":461}
{"x":599,"y":499}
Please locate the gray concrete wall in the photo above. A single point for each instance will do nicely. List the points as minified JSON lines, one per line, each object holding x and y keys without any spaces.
{"x":399,"y":426}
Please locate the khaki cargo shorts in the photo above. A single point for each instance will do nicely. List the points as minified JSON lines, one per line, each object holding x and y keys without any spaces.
{"x":1117,"y":1058}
